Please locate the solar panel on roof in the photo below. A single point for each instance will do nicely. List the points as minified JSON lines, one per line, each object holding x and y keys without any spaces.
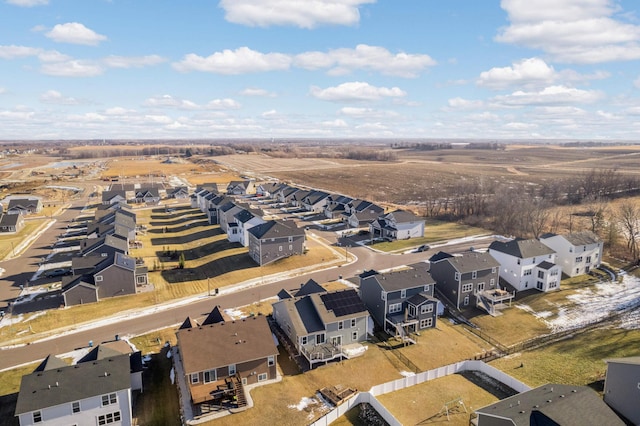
{"x":343,"y":302}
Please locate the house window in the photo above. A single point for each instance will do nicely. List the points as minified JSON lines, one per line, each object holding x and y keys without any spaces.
{"x":210,"y":376}
{"x":290,"y":239}
{"x":466,"y":301}
{"x":426,"y":308}
{"x":141,"y":279}
{"x":518,"y":261}
{"x":262,"y":377}
{"x":98,"y":278}
{"x":353,"y":322}
{"x":412,"y":310}
{"x":232,"y":370}
{"x":75,"y":407}
{"x":37,"y":416}
{"x":271,"y":361}
{"x":467,"y":287}
{"x":383,"y":295}
{"x":427,"y":322}
{"x":457,"y":276}
{"x":279,"y":248}
{"x":480,"y":287}
{"x":395,"y":307}
{"x":109,"y":399}
{"x":403,"y":294}
{"x":319,"y":338}
{"x":588,"y":259}
{"x":340,"y":325}
{"x":426,"y":288}
{"x":195,"y":378}
{"x":303,"y":340}
{"x":540,"y":285}
{"x":578,"y":259}
{"x":493,"y":270}
{"x":474,"y":275}
{"x":354,"y":336}
{"x":540,"y":274}
{"x":526,"y":272}
{"x":553,"y":284}
{"x":109,"y":418}
{"x":492,"y":282}
{"x":290,"y":247}
{"x":553,"y":272}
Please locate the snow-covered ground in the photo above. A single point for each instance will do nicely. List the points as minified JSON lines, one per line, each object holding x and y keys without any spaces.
{"x":595,"y":303}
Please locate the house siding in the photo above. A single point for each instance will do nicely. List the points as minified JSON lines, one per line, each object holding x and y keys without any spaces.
{"x":370,"y":293}
{"x":622,"y":389}
{"x":116,"y":281}
{"x":268,"y":250}
{"x":80,"y":295}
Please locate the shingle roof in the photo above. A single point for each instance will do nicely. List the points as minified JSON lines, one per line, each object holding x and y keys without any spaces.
{"x":563,"y":404}
{"x":244,"y":216}
{"x":403,"y":216}
{"x":51,"y":362}
{"x":583,"y":238}
{"x":546,"y":265}
{"x":225,"y":343}
{"x":276,"y":229}
{"x":404,"y":279}
{"x":635,"y":360}
{"x":73,"y":383}
{"x":523,"y":249}
{"x":473,"y":261}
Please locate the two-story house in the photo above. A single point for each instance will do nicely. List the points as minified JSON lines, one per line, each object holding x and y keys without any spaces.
{"x":241,"y":187}
{"x":401,"y":302}
{"x":275,"y":240}
{"x":577,"y":253}
{"x":469,"y":279}
{"x":315,"y":201}
{"x":88,"y":393}
{"x":221,"y":357}
{"x":336,"y":206}
{"x":323,"y":326}
{"x":622,"y":387}
{"x":245,"y":220}
{"x":527,"y":264}
{"x":397,"y":225}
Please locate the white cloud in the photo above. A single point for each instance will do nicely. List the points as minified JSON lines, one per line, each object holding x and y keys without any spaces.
{"x":367,"y":113}
{"x":636,"y":82}
{"x":552,"y":95}
{"x":19,"y":115}
{"x":580,"y":31}
{"x":520,"y":126}
{"x":53,"y":56}
{"x":132,"y":61}
{"x":75,"y":33}
{"x":13,"y":51}
{"x":355,"y":91}
{"x":28,"y":3}
{"x":560,"y":111}
{"x":55,"y":97}
{"x":531,"y":71}
{"x":336,"y":124}
{"x":298,"y":13}
{"x":252,"y":91}
{"x":119,"y":111}
{"x":460,"y":103}
{"x":239,"y":61}
{"x":271,"y":114}
{"x":72,"y":68}
{"x":168,"y":101}
{"x":365,"y":57}
{"x":607,"y":115}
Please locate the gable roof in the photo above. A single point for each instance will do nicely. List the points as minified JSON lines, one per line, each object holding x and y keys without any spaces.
{"x":9,"y":219}
{"x":403,"y":279}
{"x":78,"y":280}
{"x":244,"y":216}
{"x":562,"y":404}
{"x":315,"y":197}
{"x":51,"y":362}
{"x":439,"y":256}
{"x":189,"y":323}
{"x":215,"y":316}
{"x":218,"y":345}
{"x":48,"y":388}
{"x":631,"y":360}
{"x":472,"y":261}
{"x":420,"y":298}
{"x":583,"y":238}
{"x":523,"y":249}
{"x":276,"y":229}
{"x":402,"y":216}
{"x":309,"y":287}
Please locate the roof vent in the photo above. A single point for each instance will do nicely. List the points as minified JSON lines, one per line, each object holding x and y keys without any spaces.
{"x":49,"y":386}
{"x":57,"y":384}
{"x":106,"y":374}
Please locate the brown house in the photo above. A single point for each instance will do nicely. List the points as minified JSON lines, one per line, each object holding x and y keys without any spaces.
{"x":226,"y":355}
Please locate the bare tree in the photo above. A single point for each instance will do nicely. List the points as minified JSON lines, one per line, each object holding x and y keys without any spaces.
{"x":538,"y":214}
{"x":629,"y":222}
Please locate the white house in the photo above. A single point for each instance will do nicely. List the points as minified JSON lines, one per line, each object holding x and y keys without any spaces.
{"x":89,"y":393}
{"x":397,"y":225}
{"x":527,"y":264}
{"x":622,"y":387}
{"x":576,"y":253}
{"x":244,"y":220}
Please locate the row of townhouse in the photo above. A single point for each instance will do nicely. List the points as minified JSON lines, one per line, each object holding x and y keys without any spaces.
{"x":102,"y":267}
{"x":267,"y":240}
{"x":12,"y":220}
{"x":142,"y":193}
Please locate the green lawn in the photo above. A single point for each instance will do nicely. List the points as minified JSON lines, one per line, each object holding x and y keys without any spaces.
{"x":9,"y":242}
{"x":434,"y":231}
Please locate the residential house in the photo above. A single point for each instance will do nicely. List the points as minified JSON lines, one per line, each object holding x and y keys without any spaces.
{"x":362,"y":219}
{"x":114,"y":197}
{"x":550,"y":404}
{"x":128,"y":188}
{"x":622,"y":387}
{"x":324,"y":326}
{"x":241,"y":187}
{"x":315,"y":201}
{"x":401,"y":302}
{"x":397,"y":225}
{"x":104,"y":246}
{"x":336,"y":206}
{"x":286,"y":194}
{"x":24,"y":206}
{"x":577,"y":253}
{"x":297,"y":199}
{"x":11,"y":223}
{"x":88,"y":393}
{"x":245,"y":220}
{"x":527,"y":264}
{"x":226,"y":213}
{"x":359,"y":206}
{"x":214,"y":208}
{"x":178,"y":192}
{"x":226,"y":355}
{"x":471,"y":275}
{"x":275,"y":240}
{"x":149,"y":195}
{"x":309,"y":287}
{"x":79,"y":290}
{"x":268,"y":189}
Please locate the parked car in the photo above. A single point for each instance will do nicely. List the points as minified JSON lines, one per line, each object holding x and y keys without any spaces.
{"x":422,"y":248}
{"x":57,"y":272}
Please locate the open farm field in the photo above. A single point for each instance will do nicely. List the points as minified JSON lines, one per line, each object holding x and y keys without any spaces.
{"x":145,"y":166}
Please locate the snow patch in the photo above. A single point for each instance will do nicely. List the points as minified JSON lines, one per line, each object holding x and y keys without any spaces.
{"x":407,"y":373}
{"x":304,"y":403}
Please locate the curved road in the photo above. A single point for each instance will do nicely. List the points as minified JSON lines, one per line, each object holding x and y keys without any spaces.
{"x":166,"y":316}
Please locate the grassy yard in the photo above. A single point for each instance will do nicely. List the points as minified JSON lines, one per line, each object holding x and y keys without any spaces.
{"x":577,"y":360}
{"x":9,"y":242}
{"x":513,"y":326}
{"x":434,"y":231}
{"x":10,"y":379}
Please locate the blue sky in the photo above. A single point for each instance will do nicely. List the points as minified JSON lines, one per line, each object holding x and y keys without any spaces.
{"x":523,"y":69}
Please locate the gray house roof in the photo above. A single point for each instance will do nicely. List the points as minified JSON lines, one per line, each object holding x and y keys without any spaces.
{"x":562,"y":404}
{"x":523,"y":249}
{"x":315,"y":197}
{"x":472,"y":261}
{"x":9,"y":219}
{"x":48,"y":388}
{"x":405,"y":279}
{"x":583,"y":238}
{"x":546,"y":265}
{"x":403,"y":216}
{"x":276,"y":229}
{"x":244,"y":216}
{"x":633,"y":360}
{"x":51,"y":362}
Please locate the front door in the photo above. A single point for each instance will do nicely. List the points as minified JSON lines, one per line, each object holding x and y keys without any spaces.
{"x":336,"y":340}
